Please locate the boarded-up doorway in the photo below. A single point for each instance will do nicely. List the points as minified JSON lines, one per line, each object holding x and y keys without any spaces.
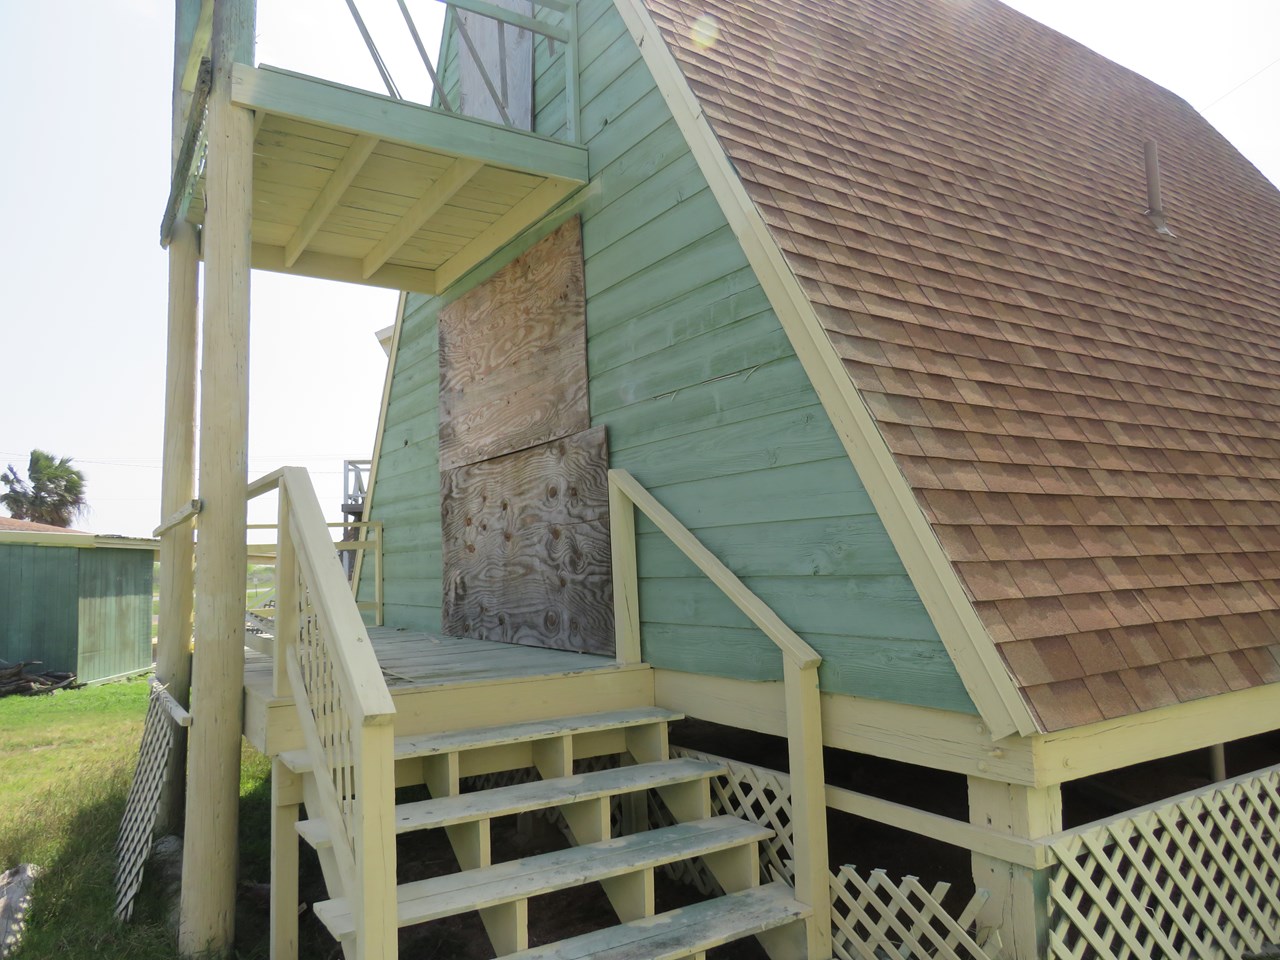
{"x":524,"y":489}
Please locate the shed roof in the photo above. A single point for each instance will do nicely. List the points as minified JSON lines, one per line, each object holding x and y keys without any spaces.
{"x":29,"y":526}
{"x":1087,"y":411}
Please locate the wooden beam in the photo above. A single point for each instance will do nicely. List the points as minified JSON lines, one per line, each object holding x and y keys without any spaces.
{"x":979,"y":664}
{"x":512,"y":18}
{"x":524,"y":214}
{"x":333,"y":190}
{"x":186,"y":167}
{"x":211,"y":842}
{"x":198,"y":47}
{"x":457,"y":176}
{"x":360,"y":112}
{"x":939,"y":739}
{"x":180,"y":516}
{"x":325,"y":266}
{"x":1111,"y":744}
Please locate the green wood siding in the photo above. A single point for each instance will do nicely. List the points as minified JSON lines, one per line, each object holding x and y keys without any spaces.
{"x":38,"y":590}
{"x":115,"y":613}
{"x":705,"y":402}
{"x":84,"y":611}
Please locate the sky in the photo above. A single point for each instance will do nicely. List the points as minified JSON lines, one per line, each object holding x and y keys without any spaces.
{"x":84,"y":89}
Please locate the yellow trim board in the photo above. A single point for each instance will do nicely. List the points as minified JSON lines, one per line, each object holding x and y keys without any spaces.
{"x":940,"y":739}
{"x":977,"y":661}
{"x":86,"y":541}
{"x":1165,"y":731}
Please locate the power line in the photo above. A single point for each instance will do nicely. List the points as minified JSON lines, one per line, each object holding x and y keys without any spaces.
{"x":1244,"y":82}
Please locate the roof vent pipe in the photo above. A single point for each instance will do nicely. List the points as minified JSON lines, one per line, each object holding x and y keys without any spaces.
{"x":1155,"y":206}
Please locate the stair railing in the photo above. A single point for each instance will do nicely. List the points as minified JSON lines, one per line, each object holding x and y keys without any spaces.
{"x":800,"y":681}
{"x":324,"y":661}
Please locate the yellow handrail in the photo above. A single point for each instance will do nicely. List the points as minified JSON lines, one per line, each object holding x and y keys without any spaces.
{"x":800,"y":684}
{"x":323,"y":659}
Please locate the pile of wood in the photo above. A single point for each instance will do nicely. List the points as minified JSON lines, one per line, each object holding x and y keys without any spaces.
{"x":17,"y":679}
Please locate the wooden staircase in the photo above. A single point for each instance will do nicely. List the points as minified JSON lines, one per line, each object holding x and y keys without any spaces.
{"x":622,"y":861}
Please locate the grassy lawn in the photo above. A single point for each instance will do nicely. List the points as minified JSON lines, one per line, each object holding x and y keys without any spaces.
{"x":65,"y":765}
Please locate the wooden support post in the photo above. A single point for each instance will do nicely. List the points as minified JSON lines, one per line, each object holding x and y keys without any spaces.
{"x":1018,"y":908}
{"x":626,"y":586}
{"x":213,"y":780}
{"x":375,"y":842}
{"x":287,"y":599}
{"x":808,"y":802}
{"x":286,"y":795}
{"x":177,"y":485}
{"x":177,"y":546}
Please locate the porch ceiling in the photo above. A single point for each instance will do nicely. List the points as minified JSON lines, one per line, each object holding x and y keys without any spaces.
{"x":354,"y":186}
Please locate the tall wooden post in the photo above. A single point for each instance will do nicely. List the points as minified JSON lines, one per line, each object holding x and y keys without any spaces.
{"x":1018,"y":908}
{"x":177,"y":546}
{"x":210,"y":849}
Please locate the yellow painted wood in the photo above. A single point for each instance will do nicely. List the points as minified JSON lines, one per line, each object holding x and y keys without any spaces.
{"x":808,"y":802}
{"x":286,"y":633}
{"x":786,"y":639}
{"x":338,"y":183}
{"x":286,"y":794}
{"x":212,"y":810}
{"x":528,"y":211}
{"x":199,"y":47}
{"x":940,"y":739}
{"x":632,"y":894}
{"x":439,"y":194}
{"x":984,"y":674}
{"x":177,"y":545}
{"x":626,"y":583}
{"x":188,"y":511}
{"x":1019,"y":904}
{"x":348,"y":269}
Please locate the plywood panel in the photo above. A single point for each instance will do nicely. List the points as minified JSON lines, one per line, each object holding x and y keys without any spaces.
{"x":507,"y":57}
{"x":526,"y":547}
{"x":513,"y":360}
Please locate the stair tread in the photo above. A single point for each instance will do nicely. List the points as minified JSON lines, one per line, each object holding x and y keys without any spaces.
{"x":430,"y":744}
{"x":682,"y":932}
{"x":535,"y":795}
{"x":455,"y":893}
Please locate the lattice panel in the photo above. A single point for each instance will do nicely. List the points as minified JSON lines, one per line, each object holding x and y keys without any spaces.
{"x":133,"y":846}
{"x":873,"y":917}
{"x":1198,"y":877}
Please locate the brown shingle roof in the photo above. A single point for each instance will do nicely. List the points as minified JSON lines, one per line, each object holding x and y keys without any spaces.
{"x":1088,"y":412}
{"x":10,"y":524}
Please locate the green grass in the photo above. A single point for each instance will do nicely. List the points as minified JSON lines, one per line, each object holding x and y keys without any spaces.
{"x":65,"y":765}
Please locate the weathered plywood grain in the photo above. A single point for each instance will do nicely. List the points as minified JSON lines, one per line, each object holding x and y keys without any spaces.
{"x":513,"y":356}
{"x":526,"y":547}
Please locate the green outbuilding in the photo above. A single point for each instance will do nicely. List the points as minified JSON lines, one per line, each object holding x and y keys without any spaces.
{"x":75,"y":602}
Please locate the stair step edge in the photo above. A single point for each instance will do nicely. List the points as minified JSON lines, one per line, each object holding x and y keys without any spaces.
{"x":683,"y":932}
{"x":412,"y":746}
{"x":438,"y":897}
{"x":535,"y":795}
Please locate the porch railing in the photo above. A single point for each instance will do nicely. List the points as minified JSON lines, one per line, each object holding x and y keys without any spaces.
{"x":800,"y":679}
{"x":371,"y":542}
{"x":323,"y":660}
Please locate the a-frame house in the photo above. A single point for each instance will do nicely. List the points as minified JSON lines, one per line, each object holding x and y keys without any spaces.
{"x":895,"y":377}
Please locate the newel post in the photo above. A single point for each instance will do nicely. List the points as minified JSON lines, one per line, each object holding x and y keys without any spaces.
{"x":211,"y":841}
{"x":808,"y":802}
{"x":626,"y":577}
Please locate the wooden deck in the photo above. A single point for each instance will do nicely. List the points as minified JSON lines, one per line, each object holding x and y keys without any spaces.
{"x":441,"y":683}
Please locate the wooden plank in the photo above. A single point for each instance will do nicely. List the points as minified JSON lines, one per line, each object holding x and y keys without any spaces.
{"x":359,"y":112}
{"x":338,"y":183}
{"x":495,"y":62}
{"x":526,"y":547}
{"x":513,"y":356}
{"x":449,"y":895}
{"x":346,"y":269}
{"x":430,"y":203}
{"x":681,"y":933}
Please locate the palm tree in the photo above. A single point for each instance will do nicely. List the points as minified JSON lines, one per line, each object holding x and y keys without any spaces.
{"x":53,"y":492}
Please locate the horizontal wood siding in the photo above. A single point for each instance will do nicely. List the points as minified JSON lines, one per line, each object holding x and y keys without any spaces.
{"x":706,"y":403}
{"x":406,"y":496}
{"x":115,"y":613}
{"x":38,"y":610}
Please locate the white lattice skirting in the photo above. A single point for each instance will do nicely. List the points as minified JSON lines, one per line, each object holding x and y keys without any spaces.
{"x":873,"y":916}
{"x":1195,"y":877}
